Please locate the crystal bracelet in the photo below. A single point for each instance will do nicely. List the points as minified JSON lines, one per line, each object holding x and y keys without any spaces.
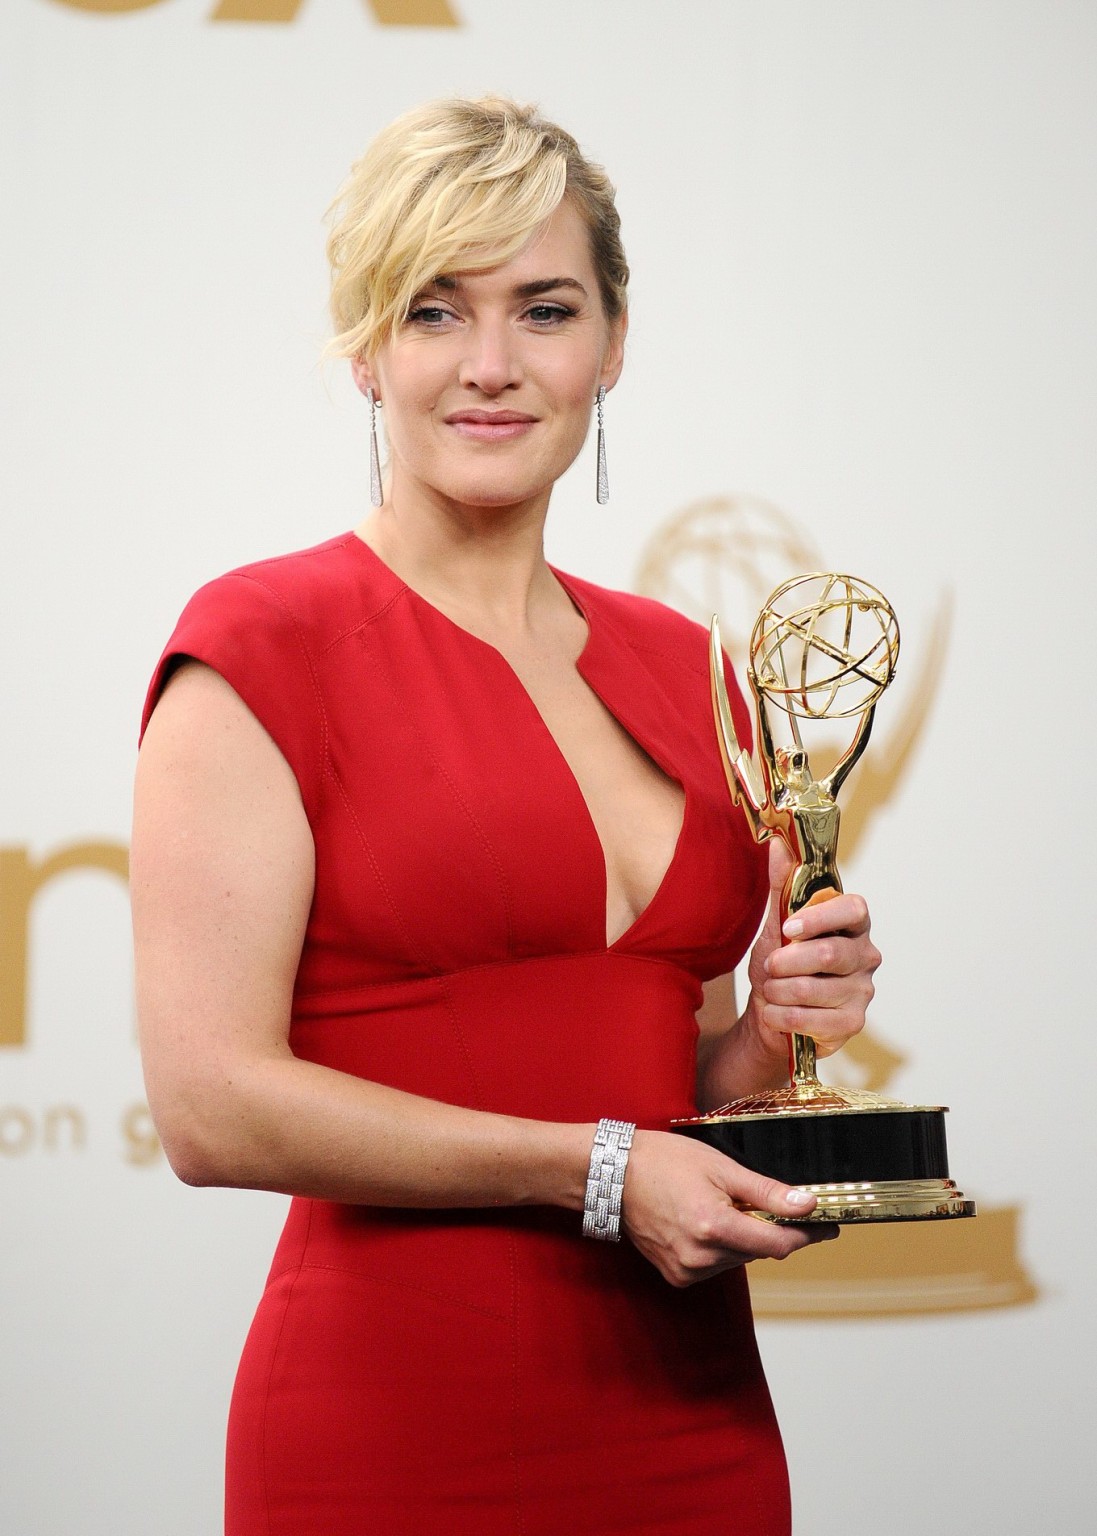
{"x":605,"y":1180}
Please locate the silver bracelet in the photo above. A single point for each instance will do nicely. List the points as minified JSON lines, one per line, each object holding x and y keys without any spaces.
{"x":605,"y":1180}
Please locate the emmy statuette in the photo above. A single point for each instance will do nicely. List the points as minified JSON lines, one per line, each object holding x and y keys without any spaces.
{"x":824,"y":648}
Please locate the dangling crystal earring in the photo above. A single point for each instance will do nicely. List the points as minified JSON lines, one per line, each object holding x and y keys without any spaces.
{"x":376,"y":494}
{"x":603,"y":473}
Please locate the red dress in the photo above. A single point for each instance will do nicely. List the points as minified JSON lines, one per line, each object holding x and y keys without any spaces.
{"x":487,"y":1372}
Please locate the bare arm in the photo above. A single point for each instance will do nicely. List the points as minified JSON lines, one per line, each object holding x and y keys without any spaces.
{"x":222,"y":883}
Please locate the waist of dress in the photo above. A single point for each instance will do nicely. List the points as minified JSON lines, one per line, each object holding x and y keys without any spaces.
{"x":564,"y":1037}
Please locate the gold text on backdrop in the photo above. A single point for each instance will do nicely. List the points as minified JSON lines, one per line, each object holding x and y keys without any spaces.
{"x":388,"y":13}
{"x":21,"y":879}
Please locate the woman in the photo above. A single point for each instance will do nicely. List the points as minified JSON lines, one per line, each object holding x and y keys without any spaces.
{"x":432,"y":856}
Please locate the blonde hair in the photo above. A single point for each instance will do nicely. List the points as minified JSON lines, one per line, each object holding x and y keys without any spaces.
{"x":449,"y":186}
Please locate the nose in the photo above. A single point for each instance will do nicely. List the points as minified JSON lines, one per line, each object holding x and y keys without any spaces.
{"x":490,"y":363}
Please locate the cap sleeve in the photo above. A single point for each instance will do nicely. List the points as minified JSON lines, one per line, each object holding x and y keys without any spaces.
{"x":249,"y":634}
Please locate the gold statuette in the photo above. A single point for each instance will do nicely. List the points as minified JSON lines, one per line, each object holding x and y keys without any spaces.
{"x":824,"y":648}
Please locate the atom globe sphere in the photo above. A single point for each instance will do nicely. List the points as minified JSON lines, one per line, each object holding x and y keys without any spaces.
{"x":824,"y":647}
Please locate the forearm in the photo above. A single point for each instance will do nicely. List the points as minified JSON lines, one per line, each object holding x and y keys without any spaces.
{"x":283,"y":1124}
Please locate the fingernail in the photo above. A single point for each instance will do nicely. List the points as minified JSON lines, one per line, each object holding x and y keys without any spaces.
{"x":799,"y":1197}
{"x":792,"y":927}
{"x":766,"y":967}
{"x":831,"y":1232}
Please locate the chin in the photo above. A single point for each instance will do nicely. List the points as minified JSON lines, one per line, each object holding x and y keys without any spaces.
{"x":496,"y":494}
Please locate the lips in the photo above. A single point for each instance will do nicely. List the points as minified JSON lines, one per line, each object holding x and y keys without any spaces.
{"x":490,"y":426}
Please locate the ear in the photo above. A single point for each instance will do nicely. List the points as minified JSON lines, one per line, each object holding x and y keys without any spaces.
{"x":364,"y":376}
{"x":615,"y":351}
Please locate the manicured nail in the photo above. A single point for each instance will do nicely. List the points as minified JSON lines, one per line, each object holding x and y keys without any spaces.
{"x":793,"y":927}
{"x":799,"y":1197}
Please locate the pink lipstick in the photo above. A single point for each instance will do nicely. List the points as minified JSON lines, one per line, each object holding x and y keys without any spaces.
{"x":487,"y":426}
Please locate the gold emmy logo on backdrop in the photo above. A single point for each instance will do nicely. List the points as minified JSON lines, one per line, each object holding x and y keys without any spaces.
{"x":725,"y":555}
{"x":387,"y":13}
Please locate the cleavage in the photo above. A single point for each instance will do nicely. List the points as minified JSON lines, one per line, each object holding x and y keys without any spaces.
{"x":636,"y":809}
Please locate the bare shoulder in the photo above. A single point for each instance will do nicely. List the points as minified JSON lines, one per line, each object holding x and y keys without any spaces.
{"x":199,"y":717}
{"x":202,"y":730}
{"x":212,"y":787}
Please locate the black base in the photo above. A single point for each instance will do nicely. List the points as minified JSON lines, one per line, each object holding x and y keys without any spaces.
{"x":828,"y":1147}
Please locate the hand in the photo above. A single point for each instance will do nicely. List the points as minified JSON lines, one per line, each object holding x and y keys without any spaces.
{"x":683,"y":1208}
{"x":820,"y":982}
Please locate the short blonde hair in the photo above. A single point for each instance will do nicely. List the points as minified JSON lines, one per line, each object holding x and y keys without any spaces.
{"x":450,"y":186}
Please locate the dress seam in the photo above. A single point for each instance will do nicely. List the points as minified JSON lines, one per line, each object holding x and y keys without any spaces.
{"x":633,"y":643}
{"x":515,"y":1360}
{"x":654,"y":650}
{"x":361,"y":624}
{"x":378,"y":876}
{"x":267,"y":1393}
{"x":611,"y":953}
{"x":470,"y":1067}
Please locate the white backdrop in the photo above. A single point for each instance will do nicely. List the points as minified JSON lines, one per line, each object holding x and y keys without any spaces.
{"x":863,"y":239}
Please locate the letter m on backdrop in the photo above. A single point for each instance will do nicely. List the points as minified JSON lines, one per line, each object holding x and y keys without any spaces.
{"x":21,"y":879}
{"x":390,"y":13}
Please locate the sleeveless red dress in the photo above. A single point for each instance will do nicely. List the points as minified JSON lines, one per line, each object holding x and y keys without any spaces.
{"x":487,"y":1372}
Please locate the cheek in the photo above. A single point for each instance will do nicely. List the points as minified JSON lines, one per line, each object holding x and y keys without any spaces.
{"x":410,"y":388}
{"x":407,"y":418}
{"x":575,"y":383}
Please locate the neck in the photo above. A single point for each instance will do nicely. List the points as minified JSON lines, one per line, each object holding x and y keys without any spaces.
{"x":485,"y":566}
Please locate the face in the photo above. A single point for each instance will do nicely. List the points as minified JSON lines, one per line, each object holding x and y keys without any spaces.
{"x":488,"y":385}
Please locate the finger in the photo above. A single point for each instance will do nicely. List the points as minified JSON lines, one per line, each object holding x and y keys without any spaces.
{"x":765,"y":1240}
{"x":779,"y":1242}
{"x":833,"y":955}
{"x":742,"y":1237}
{"x":757,"y":1191}
{"x":829,"y":1029}
{"x":821,"y":1022}
{"x":781,"y":864}
{"x":746,"y":1237}
{"x":787,"y":1201}
{"x":818,"y":991}
{"x":847,"y":914}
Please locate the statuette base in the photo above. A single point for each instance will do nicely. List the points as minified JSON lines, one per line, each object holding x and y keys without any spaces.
{"x":884,"y":1200}
{"x":865,"y":1158}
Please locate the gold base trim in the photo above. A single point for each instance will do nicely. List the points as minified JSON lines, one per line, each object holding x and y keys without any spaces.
{"x":882,"y":1200}
{"x":808,"y":1099}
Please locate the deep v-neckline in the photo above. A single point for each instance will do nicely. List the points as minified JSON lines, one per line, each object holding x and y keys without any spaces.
{"x":596,"y":637}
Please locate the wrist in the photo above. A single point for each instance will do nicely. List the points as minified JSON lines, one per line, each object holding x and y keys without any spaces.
{"x":560,"y":1155}
{"x":761,"y":1046}
{"x":765,"y":1058}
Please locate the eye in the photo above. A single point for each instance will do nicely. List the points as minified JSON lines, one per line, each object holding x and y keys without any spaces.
{"x":547,"y":315}
{"x":428,"y":315}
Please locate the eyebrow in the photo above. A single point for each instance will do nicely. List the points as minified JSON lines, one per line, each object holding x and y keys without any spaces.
{"x":547,"y":284}
{"x":448,"y":283}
